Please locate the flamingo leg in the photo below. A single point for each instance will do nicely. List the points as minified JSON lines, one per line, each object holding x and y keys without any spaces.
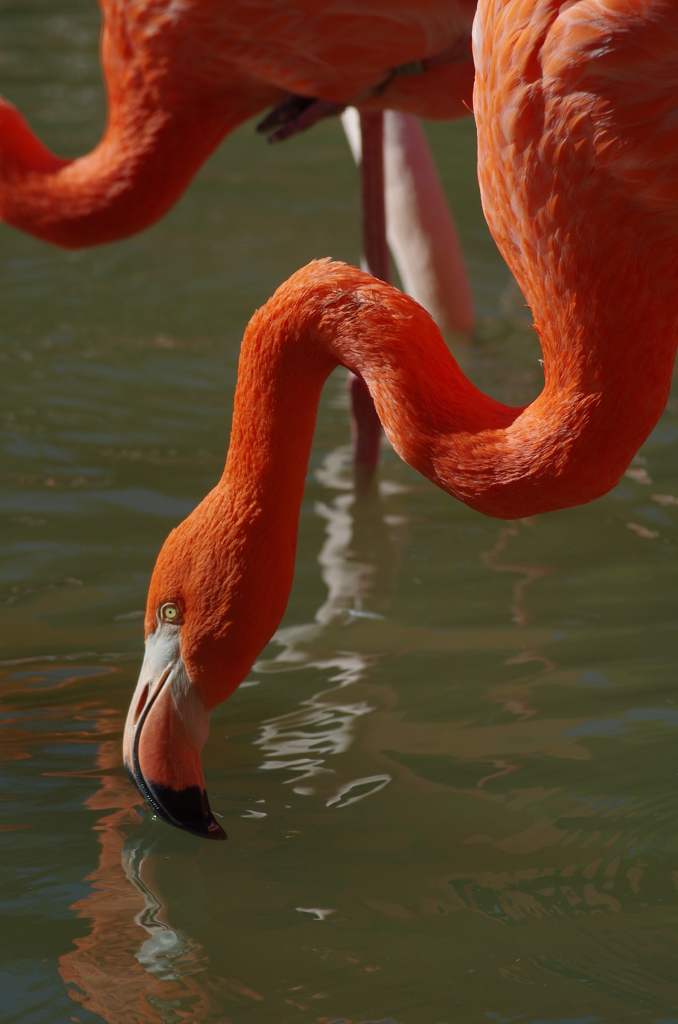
{"x":421,"y":232}
{"x":375,"y":246}
{"x":420,"y":228}
{"x":365,"y":423}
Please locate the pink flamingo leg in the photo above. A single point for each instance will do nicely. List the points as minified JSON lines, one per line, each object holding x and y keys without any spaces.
{"x":420,"y":228}
{"x":421,"y":231}
{"x":366,"y":425}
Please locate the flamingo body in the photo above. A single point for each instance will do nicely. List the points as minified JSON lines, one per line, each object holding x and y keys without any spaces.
{"x":576,"y":108}
{"x":576,"y":112}
{"x":181,"y":75}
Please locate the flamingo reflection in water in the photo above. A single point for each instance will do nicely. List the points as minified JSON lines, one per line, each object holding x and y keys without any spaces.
{"x":136,"y":964}
{"x":352,"y":635}
{"x":133,"y":966}
{"x":123,"y":969}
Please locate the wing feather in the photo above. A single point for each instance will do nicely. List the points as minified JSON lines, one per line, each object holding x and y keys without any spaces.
{"x":616,"y":62}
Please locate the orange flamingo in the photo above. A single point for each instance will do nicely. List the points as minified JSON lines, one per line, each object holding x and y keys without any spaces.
{"x":575,"y":109}
{"x":181,"y":76}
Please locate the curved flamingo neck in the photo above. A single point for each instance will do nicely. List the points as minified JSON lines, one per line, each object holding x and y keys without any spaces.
{"x":144,"y":162}
{"x":232,"y":561}
{"x":569,"y":446}
{"x":326,"y":315}
{"x":161,"y":127}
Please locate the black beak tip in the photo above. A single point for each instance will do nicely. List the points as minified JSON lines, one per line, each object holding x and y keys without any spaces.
{"x":187,"y":809}
{"x":214,"y":830}
{"x":207,"y":828}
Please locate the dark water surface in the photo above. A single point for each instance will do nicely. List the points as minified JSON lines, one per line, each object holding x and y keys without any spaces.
{"x":450,"y":784}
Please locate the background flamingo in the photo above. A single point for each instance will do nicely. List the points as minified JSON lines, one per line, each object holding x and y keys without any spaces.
{"x":180,"y":79}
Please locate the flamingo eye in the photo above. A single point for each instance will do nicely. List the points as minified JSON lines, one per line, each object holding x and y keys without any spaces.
{"x":169,"y":612}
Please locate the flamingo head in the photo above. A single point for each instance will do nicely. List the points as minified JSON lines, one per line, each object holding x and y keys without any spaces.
{"x":216,"y":597}
{"x":168,"y":719}
{"x":167,"y":725}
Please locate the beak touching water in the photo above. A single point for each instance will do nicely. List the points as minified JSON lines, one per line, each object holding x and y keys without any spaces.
{"x":167,"y":725}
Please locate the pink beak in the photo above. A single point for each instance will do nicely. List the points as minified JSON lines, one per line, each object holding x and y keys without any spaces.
{"x":167,"y":725}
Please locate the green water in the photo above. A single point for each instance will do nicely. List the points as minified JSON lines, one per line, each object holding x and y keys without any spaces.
{"x":450,"y":784}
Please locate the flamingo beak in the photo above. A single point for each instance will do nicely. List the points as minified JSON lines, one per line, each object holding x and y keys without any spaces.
{"x":167,"y":725}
